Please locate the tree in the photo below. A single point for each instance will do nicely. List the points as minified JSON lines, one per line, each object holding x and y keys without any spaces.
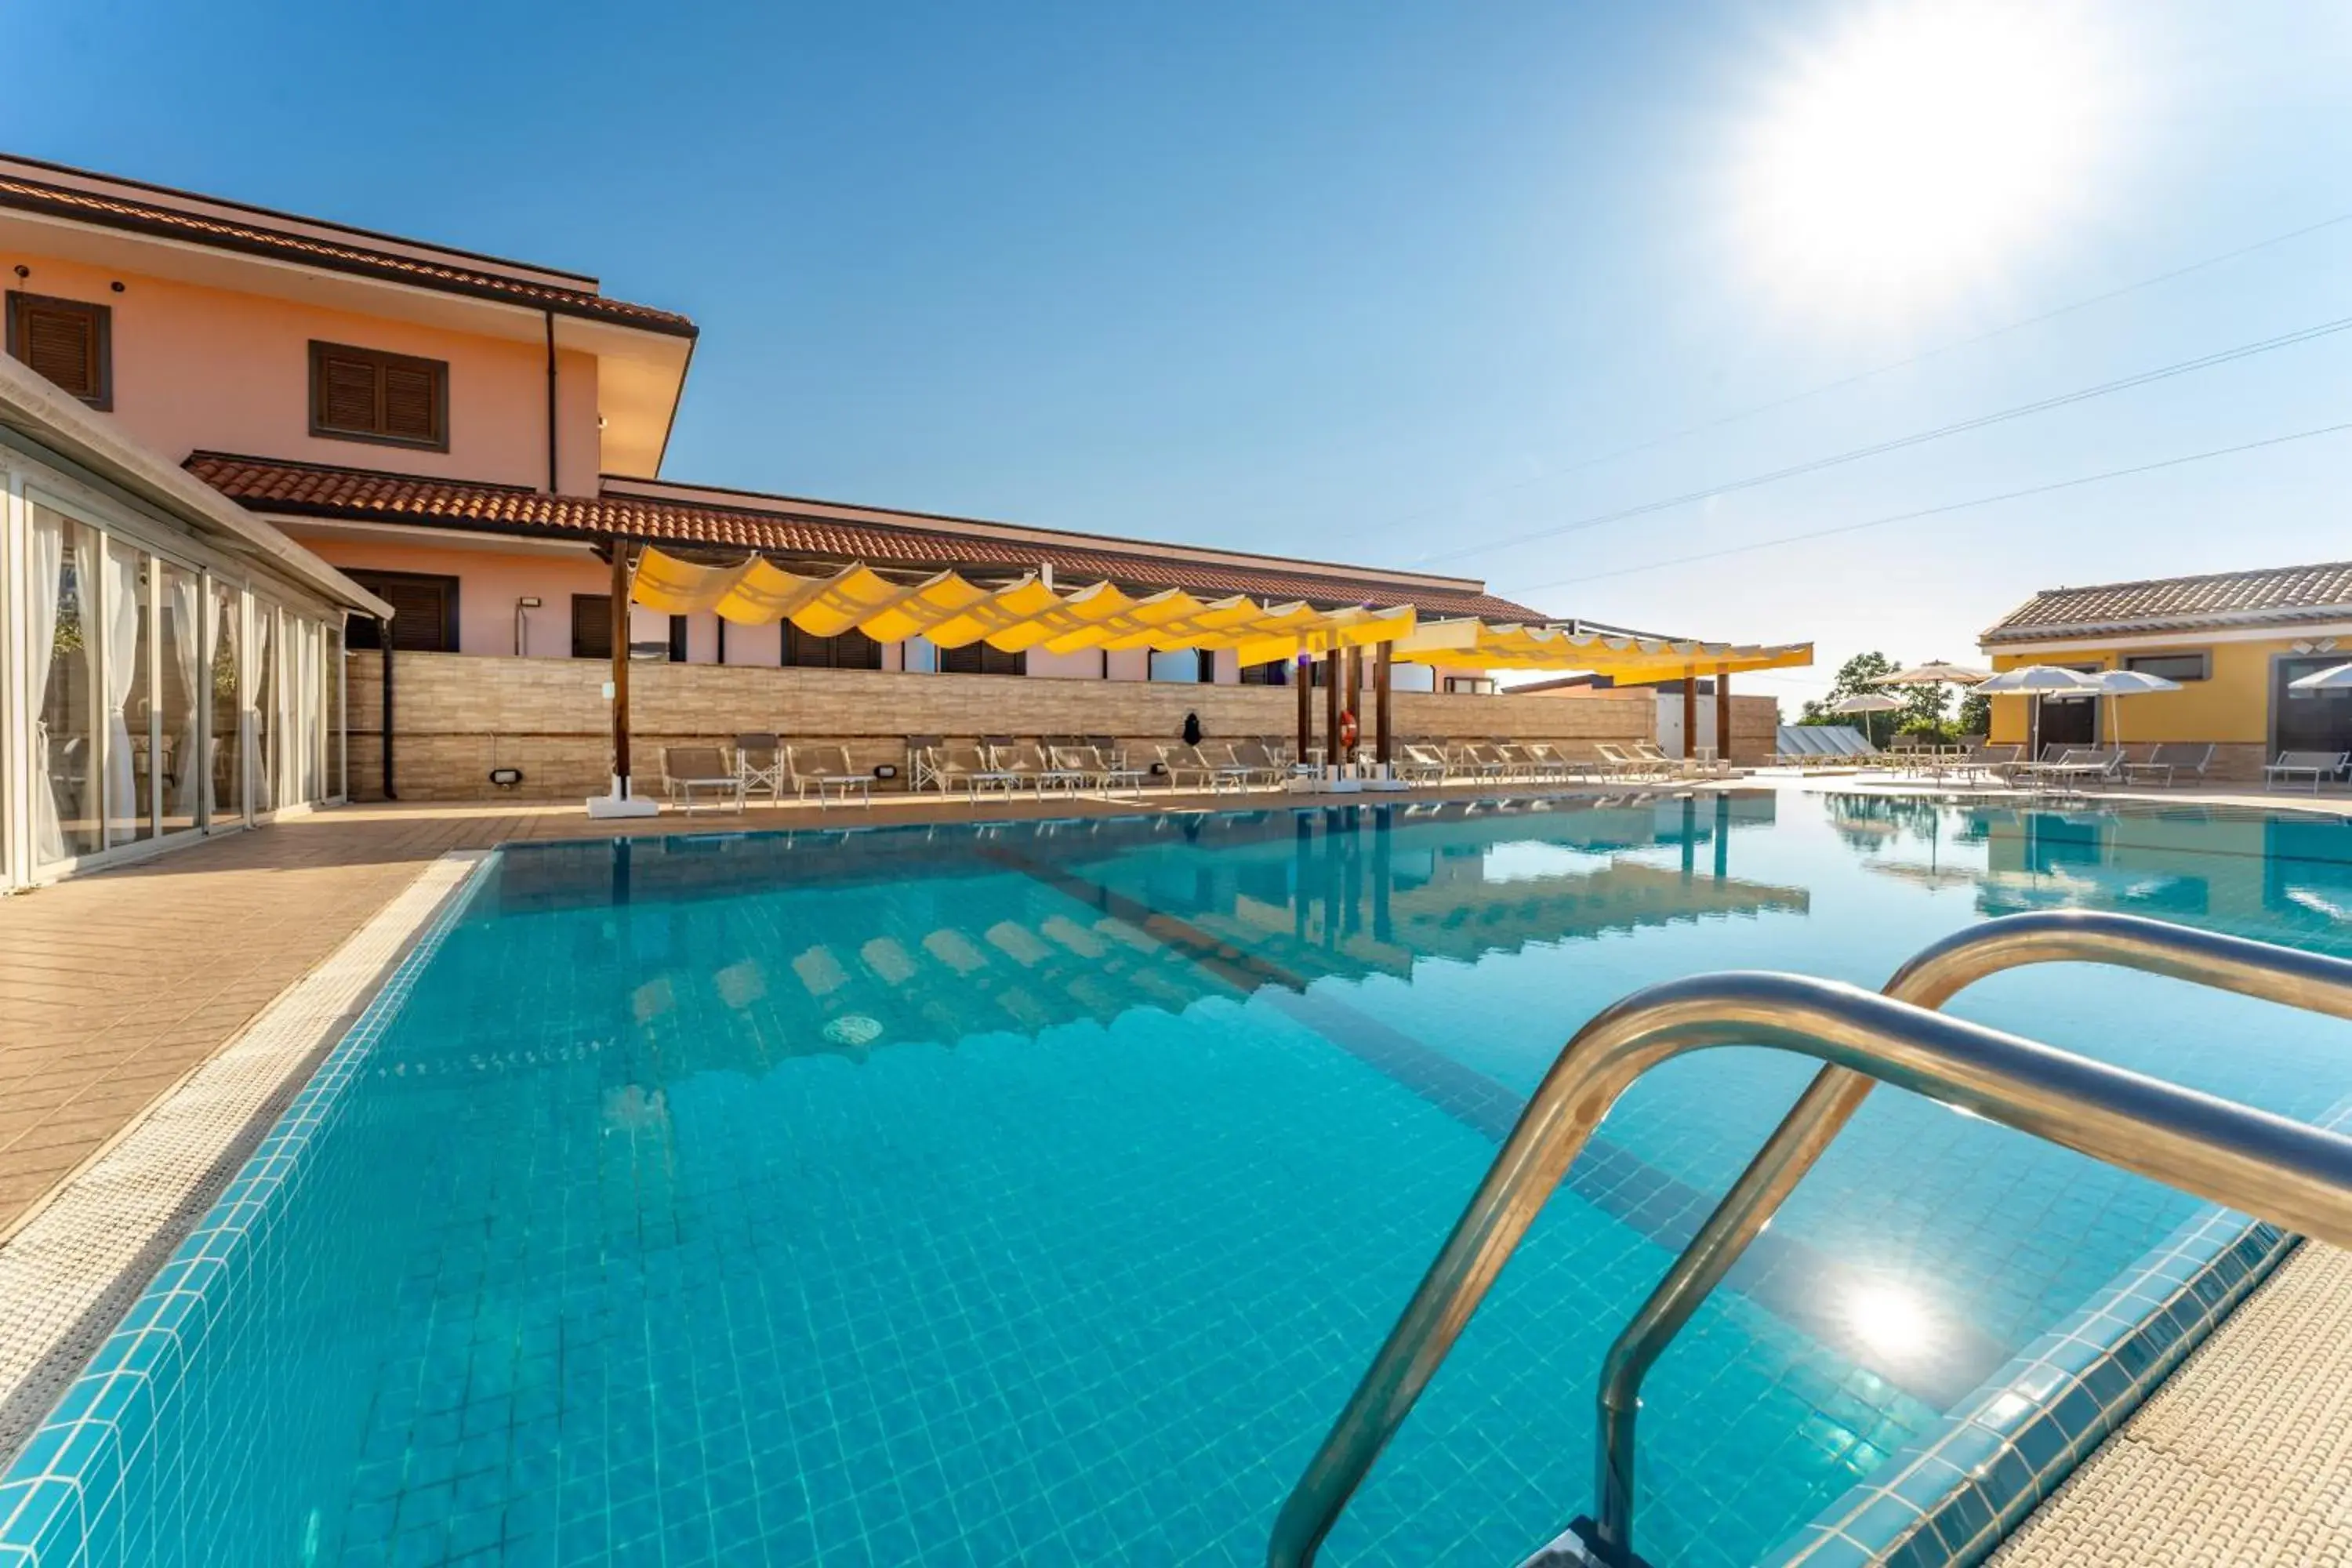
{"x":1923,"y":711}
{"x":1976,"y":715}
{"x":1860,"y":674}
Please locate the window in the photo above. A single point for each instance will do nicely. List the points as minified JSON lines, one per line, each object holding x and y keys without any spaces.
{"x":67,"y":341}
{"x":1272,"y":672}
{"x":979,"y":659}
{"x":424,"y":611}
{"x":2172,"y":665}
{"x":1471,"y":685}
{"x":592,"y":626}
{"x":850,"y":650}
{"x":366,"y":395}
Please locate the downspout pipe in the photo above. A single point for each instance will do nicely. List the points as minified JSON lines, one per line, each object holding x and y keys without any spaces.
{"x":383,"y":637}
{"x":550,"y":404}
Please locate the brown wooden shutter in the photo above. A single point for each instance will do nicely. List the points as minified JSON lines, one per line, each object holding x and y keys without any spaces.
{"x":424,"y":609}
{"x":366,"y":395}
{"x":411,"y":404}
{"x":65,"y":341}
{"x":346,"y":394}
{"x":592,"y":626}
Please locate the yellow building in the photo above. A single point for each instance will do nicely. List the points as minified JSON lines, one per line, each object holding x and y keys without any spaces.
{"x":2233,"y":641}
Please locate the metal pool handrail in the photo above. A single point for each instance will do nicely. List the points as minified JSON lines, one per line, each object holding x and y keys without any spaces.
{"x":1928,"y":979}
{"x":2294,"y":1175}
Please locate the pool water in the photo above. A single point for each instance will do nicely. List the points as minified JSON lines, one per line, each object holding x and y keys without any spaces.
{"x":1037,"y":1193}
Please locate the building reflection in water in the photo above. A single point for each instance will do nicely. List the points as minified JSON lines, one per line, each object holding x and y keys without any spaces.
{"x":744,"y":949}
{"x":2279,"y":877}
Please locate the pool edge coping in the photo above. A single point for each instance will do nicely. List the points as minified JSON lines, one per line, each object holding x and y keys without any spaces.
{"x":230,"y":1131}
{"x":1952,"y":1496}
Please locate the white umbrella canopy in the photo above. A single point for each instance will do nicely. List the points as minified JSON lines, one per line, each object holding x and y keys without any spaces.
{"x":2128,"y":683}
{"x":1936,"y":672}
{"x":2336,"y":677}
{"x":1868,"y":702}
{"x":2038,"y":681}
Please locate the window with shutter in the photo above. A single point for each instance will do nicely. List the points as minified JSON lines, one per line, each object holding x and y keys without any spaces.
{"x":592,"y":626}
{"x":67,"y":341}
{"x":850,"y":650}
{"x":366,"y":395}
{"x":979,"y":659}
{"x":424,"y":611}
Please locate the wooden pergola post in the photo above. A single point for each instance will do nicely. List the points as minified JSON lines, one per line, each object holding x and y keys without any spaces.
{"x":1334,"y":667}
{"x":1690,"y":713}
{"x":1355,"y":667}
{"x":621,"y":667}
{"x":1384,"y":676}
{"x":1302,"y":675}
{"x":1723,"y":715}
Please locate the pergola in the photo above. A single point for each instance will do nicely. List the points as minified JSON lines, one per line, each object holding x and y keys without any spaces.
{"x":1027,"y":610}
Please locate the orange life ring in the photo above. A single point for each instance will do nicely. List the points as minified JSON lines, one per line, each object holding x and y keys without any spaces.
{"x":1347,"y":731}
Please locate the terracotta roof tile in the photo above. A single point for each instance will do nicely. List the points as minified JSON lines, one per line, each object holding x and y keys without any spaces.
{"x":317,"y":490}
{"x":2281,"y":595}
{"x":204,"y":228}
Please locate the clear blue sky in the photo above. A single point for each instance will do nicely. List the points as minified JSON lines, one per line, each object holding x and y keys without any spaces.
{"x":1369,"y":282}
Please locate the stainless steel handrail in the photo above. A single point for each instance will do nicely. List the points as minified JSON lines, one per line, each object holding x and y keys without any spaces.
{"x":2294,"y":1175}
{"x":1929,"y":979}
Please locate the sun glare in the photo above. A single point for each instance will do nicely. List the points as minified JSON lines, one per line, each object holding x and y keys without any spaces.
{"x":1920,"y":148}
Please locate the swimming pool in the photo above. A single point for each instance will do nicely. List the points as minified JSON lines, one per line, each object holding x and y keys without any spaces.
{"x":1036,"y":1194}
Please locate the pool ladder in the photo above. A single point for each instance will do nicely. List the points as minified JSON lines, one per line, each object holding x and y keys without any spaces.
{"x":2295,"y":1176}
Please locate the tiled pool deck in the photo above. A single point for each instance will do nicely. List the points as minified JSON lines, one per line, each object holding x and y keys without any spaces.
{"x":224,"y":928}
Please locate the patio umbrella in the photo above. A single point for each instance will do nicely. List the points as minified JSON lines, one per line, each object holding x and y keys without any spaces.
{"x":2037,"y":681}
{"x":2128,"y":683}
{"x":1936,"y":672}
{"x":1868,"y":702}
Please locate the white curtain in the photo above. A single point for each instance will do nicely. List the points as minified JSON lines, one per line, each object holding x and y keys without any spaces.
{"x":47,"y":562}
{"x":124,"y":808}
{"x":187,"y":644}
{"x":262,"y":722}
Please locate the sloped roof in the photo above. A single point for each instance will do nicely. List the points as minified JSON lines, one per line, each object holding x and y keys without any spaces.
{"x":309,"y":489}
{"x":2280,"y":595}
{"x":349,"y":250}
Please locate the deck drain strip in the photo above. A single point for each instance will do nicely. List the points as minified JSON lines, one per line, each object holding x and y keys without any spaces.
{"x":78,"y":1260}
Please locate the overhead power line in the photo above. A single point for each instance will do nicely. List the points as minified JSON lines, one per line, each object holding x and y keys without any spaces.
{"x":1918,"y":437}
{"x":1948,"y":508}
{"x":1823,"y":388}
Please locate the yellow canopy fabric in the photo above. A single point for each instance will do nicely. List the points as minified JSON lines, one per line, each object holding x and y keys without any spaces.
{"x":1029,"y":613}
{"x":952,"y":612}
{"x":1476,"y":644}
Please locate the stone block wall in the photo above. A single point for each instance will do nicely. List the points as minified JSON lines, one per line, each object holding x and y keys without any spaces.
{"x":458,"y":716}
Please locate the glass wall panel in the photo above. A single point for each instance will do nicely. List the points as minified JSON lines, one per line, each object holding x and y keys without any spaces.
{"x":226,"y":761}
{"x":310,"y":710}
{"x":179,"y":640}
{"x":262,"y":711}
{"x":338,"y":786}
{"x":130,"y":741}
{"x":62,"y":579}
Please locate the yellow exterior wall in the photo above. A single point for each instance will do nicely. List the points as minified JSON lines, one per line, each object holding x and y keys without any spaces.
{"x":2230,"y":707}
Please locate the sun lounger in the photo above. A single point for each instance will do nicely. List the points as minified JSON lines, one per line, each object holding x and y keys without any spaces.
{"x":1117,"y":772}
{"x":2080,"y":766}
{"x":1422,"y":765}
{"x":966,"y":766}
{"x":686,"y":769}
{"x":923,"y":763}
{"x":1259,"y":762}
{"x":2170,"y":760}
{"x":2320,"y":765}
{"x":826,"y":770}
